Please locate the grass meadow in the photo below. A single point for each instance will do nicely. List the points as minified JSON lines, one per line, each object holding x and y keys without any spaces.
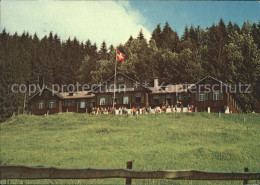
{"x":198,"y":141}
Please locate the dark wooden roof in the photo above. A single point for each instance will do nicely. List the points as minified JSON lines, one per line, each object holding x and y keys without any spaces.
{"x":148,"y":89}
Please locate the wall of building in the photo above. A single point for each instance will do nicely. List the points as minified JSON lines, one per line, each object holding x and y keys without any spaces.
{"x":119,"y":96}
{"x":46,"y":96}
{"x":73,"y":105}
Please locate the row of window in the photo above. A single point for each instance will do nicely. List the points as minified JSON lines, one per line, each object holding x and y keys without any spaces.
{"x":125,"y":100}
{"x":204,"y":96}
{"x":82,"y":104}
{"x":186,"y":96}
{"x":51,"y":104}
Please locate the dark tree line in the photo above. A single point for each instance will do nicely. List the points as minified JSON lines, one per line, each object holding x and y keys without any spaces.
{"x":225,"y":51}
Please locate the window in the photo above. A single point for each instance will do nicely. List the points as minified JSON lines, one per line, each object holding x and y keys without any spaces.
{"x":168,"y":101}
{"x":137,"y":94}
{"x":102,"y":101}
{"x":121,"y":86}
{"x":125,"y":100}
{"x":201,"y":96}
{"x":41,"y":105}
{"x":138,"y":98}
{"x":82,"y":104}
{"x":120,"y":79}
{"x":156,"y":99}
{"x":92,"y":104}
{"x":180,"y":97}
{"x":67,"y":103}
{"x":186,"y":96}
{"x":52,"y":104}
{"x":216,"y":96}
{"x":115,"y":99}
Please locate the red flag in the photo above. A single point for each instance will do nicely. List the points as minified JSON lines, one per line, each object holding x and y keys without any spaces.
{"x":120,"y":56}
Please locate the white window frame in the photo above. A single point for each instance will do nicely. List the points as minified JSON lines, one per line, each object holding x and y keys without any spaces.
{"x":82,"y":104}
{"x":125,"y":100}
{"x":41,"y":105}
{"x":216,"y":95}
{"x":202,"y":96}
{"x":102,"y":101}
{"x":52,"y":104}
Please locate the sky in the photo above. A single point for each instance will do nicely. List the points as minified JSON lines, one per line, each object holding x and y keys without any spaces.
{"x":115,"y":21}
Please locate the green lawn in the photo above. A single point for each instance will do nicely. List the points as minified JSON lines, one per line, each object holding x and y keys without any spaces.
{"x":197,"y":141}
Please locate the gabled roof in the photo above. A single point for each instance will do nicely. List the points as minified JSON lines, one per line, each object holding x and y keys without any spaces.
{"x":77,"y":95}
{"x":66,"y":95}
{"x":178,"y":88}
{"x":138,"y":83}
{"x":212,"y":79}
{"x":232,"y":94}
{"x":46,"y":88}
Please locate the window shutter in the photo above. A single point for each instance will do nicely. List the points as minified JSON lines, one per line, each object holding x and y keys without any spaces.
{"x":133,"y":98}
{"x":197,"y":96}
{"x":172,"y":100}
{"x":210,"y":95}
{"x":221,"y":96}
{"x":206,"y":96}
{"x":129,"y":99}
{"x":98,"y":100}
{"x":54,"y":103}
{"x":142,"y":98}
{"x":106,"y":99}
{"x":109,"y":99}
{"x":161,"y":99}
{"x":119,"y":99}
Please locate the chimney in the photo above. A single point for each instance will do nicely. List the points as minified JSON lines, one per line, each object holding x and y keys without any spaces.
{"x":156,"y":82}
{"x":71,"y":94}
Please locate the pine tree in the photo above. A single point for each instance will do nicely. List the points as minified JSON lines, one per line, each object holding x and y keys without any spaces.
{"x":130,"y":39}
{"x":141,"y":35}
{"x":186,"y":34}
{"x":156,"y":35}
{"x":255,"y":32}
{"x":103,"y":51}
{"x":170,"y":39}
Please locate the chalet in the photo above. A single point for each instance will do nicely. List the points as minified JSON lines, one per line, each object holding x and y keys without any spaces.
{"x":169,"y":94}
{"x":128,"y":93}
{"x":209,"y":94}
{"x":49,"y":102}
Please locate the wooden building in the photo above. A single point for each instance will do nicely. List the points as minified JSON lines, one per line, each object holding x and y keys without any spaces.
{"x":209,"y":94}
{"x":128,"y":93}
{"x":49,"y":102}
{"x":169,"y":95}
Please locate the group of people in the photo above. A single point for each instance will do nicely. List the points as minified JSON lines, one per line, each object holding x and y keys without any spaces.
{"x":120,"y":110}
{"x":142,"y":110}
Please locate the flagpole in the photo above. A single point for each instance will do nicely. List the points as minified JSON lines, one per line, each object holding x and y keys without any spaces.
{"x":114,"y":86}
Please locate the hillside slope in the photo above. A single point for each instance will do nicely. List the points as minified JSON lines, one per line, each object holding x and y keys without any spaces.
{"x":155,"y":142}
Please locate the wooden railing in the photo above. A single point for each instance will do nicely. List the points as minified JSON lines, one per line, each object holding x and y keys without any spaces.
{"x":23,"y":172}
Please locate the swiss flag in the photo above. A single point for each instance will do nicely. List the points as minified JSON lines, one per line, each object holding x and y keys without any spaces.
{"x":120,"y":56}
